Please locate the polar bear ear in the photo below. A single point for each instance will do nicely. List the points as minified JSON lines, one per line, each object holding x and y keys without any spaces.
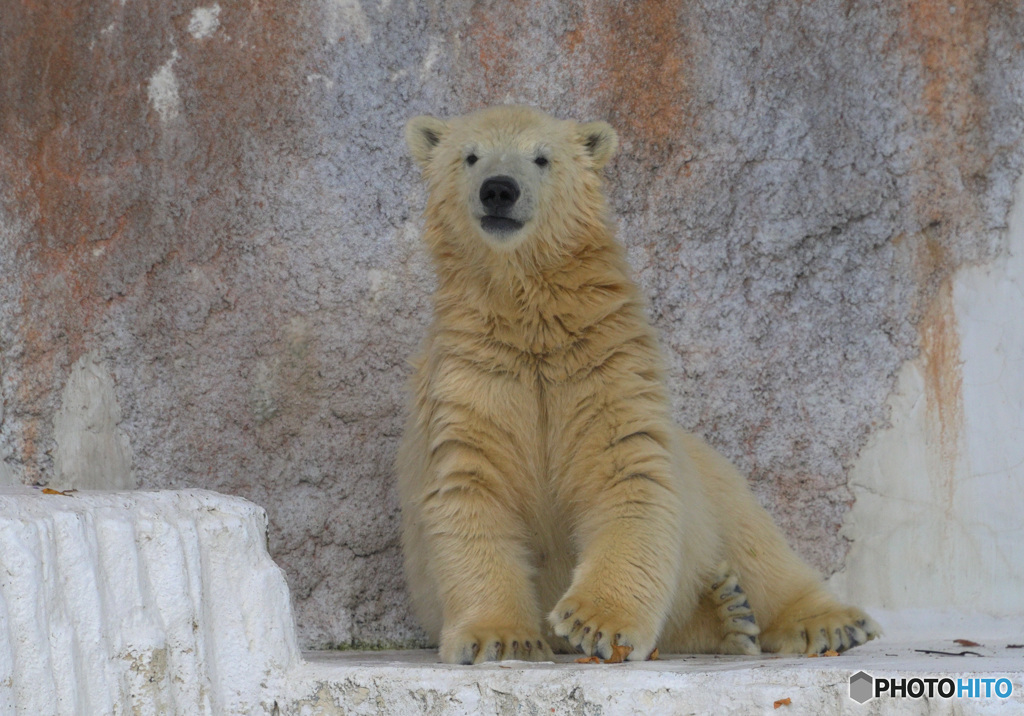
{"x":423,"y":134}
{"x":600,"y":141}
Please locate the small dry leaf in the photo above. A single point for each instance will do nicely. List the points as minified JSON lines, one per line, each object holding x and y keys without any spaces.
{"x":783,"y":702}
{"x":831,"y":652}
{"x":966,"y":642}
{"x":653,"y":655}
{"x":48,"y":491}
{"x":619,"y":654}
{"x":589,"y":660}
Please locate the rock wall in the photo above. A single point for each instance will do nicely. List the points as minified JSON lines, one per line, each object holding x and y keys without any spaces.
{"x":935,"y":521}
{"x":208,"y":233}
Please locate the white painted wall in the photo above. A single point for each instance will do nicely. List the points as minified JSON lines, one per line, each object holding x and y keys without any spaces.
{"x":939,"y":516}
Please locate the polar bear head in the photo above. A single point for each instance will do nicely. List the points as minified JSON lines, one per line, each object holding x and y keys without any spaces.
{"x":510,"y":175}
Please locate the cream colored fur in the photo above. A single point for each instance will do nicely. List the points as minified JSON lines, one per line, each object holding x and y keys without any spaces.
{"x":548,"y":500}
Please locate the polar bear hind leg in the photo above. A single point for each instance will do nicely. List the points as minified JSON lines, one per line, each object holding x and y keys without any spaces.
{"x":804,"y":628}
{"x":794,"y":611}
{"x":739,"y":625}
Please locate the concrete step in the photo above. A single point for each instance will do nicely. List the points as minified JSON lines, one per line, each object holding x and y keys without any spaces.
{"x":139,"y":602}
{"x":414,"y":683}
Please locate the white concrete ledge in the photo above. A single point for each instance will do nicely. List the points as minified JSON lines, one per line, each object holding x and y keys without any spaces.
{"x":139,"y":602}
{"x":413,"y":683}
{"x":168,"y":603}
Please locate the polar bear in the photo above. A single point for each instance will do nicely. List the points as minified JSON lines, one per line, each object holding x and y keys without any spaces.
{"x":548,"y":500}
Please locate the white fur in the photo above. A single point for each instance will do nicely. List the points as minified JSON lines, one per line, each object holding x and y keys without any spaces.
{"x":548,"y":500}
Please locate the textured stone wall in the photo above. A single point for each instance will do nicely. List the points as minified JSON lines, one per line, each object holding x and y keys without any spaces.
{"x":211,"y":274}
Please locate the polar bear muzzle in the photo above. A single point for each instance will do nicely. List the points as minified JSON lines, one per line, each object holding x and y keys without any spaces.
{"x":499,"y":195}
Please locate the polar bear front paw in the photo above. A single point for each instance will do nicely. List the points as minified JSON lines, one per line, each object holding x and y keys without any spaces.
{"x":475,"y":645}
{"x":836,"y":630}
{"x":592,"y":627}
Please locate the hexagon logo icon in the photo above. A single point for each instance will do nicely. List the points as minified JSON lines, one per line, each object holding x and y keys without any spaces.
{"x":861,"y":687}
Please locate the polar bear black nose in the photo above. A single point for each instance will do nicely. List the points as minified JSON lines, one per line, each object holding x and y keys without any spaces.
{"x":499,"y":193}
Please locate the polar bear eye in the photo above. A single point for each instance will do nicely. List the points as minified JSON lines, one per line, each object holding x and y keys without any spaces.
{"x":471,"y":159}
{"x":541,"y":161}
